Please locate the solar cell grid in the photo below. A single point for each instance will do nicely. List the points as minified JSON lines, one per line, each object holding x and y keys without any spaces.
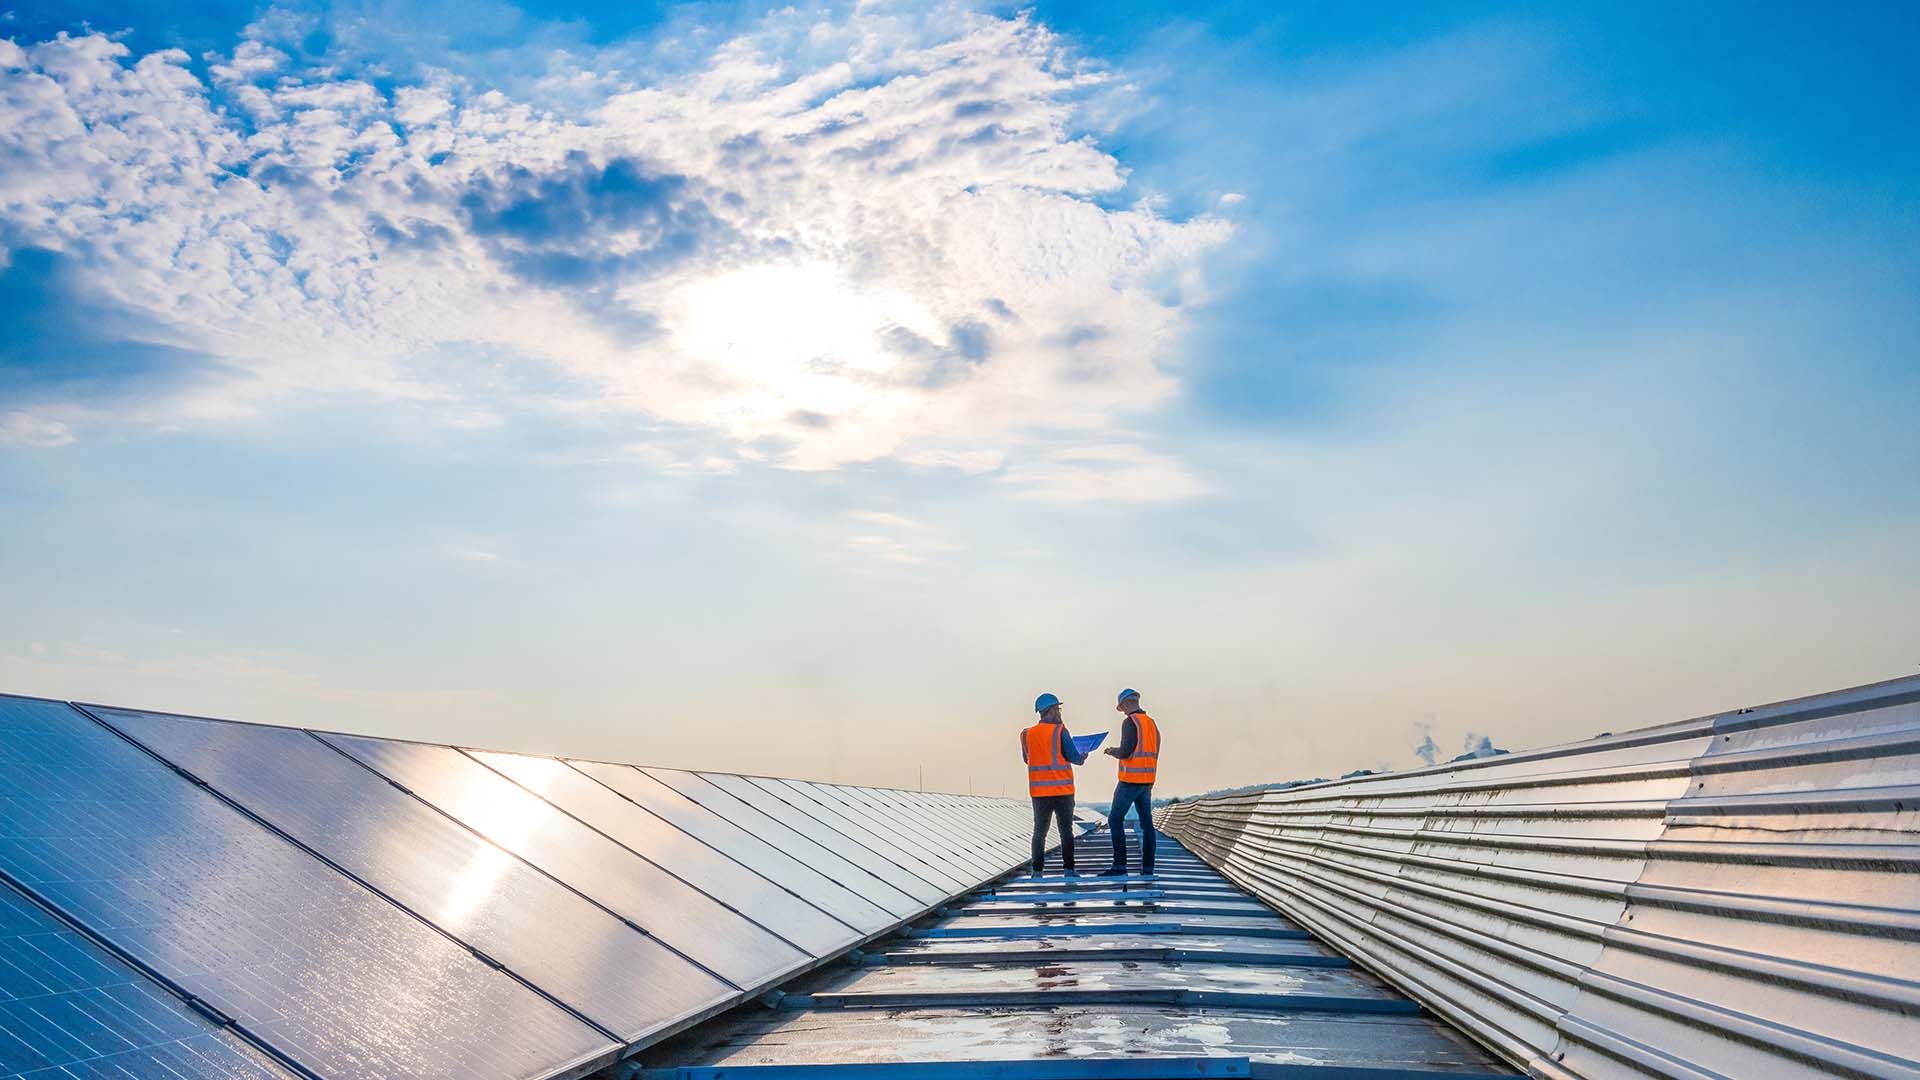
{"x":70,"y":1008}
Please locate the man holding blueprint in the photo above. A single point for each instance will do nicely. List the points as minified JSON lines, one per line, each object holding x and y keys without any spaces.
{"x":1139,"y":754}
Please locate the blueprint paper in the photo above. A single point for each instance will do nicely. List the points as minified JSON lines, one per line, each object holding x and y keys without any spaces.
{"x":1087,"y":744}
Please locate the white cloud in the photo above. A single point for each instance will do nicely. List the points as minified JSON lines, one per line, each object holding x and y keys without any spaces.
{"x":472,"y":555}
{"x":1105,"y":472}
{"x":19,"y":428}
{"x":834,"y":242}
{"x":885,"y":519}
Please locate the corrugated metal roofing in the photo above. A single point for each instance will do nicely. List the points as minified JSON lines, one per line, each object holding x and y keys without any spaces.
{"x":1179,"y":975}
{"x":1736,"y":895}
{"x":183,"y":896}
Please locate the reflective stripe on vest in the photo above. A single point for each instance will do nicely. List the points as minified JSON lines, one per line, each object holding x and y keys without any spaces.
{"x":1139,"y":768}
{"x":1047,"y":772}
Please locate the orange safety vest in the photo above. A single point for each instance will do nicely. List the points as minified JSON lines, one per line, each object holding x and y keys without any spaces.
{"x":1139,"y":768}
{"x":1048,"y":773}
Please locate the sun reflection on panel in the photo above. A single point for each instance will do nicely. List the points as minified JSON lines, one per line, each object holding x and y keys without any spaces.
{"x":509,"y":825}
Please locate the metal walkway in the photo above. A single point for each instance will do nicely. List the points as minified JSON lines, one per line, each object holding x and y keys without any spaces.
{"x":1053,"y":977}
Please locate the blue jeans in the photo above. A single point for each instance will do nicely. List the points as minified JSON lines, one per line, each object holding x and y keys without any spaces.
{"x":1139,"y":797}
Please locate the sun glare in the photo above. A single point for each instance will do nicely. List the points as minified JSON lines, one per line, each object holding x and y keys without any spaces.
{"x":794,"y":338}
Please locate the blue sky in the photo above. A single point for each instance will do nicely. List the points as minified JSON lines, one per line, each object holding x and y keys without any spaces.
{"x":805,"y":389}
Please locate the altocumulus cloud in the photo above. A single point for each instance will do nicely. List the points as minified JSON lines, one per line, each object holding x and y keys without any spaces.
{"x":833,"y":240}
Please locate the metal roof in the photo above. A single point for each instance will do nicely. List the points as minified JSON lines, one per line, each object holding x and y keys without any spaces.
{"x":190,"y":897}
{"x":1735,"y":895}
{"x":1183,"y":974}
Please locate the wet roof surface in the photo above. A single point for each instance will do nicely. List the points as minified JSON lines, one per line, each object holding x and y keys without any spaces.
{"x":1180,"y":975}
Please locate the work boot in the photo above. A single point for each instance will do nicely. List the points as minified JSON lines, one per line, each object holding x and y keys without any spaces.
{"x":1114,"y":871}
{"x":1071,"y":872}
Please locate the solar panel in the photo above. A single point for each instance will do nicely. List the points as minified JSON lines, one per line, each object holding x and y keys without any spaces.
{"x":812,"y":932}
{"x":838,"y":842}
{"x":981,"y":844}
{"x":559,"y":942}
{"x":960,"y":843}
{"x":69,"y":1008}
{"x":800,"y":844}
{"x":811,"y":882}
{"x":985,"y":838}
{"x":303,"y":958}
{"x":949,"y":870}
{"x":647,"y":872}
{"x":856,"y":828}
{"x":1005,"y":833}
{"x":1002,"y":841}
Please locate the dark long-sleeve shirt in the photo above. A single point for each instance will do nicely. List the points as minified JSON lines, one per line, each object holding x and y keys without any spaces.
{"x":1129,"y":736}
{"x":1067,"y":750}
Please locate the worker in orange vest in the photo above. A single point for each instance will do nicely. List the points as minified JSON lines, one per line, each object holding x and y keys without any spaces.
{"x":1050,"y":756}
{"x":1139,"y":754}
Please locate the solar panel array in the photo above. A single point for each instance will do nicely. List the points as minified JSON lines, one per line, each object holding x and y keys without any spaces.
{"x":191,"y":897}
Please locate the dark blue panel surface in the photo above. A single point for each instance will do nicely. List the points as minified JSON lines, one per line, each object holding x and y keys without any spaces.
{"x":557,"y":940}
{"x":70,"y":1008}
{"x":309,"y":962}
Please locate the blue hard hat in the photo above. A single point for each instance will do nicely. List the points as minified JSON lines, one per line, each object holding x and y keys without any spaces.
{"x":1125,"y":694}
{"x":1045,"y":702}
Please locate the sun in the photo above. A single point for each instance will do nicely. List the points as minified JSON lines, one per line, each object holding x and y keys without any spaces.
{"x":793,"y":339}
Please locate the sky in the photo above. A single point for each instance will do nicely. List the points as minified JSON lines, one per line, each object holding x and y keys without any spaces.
{"x":804,"y":389}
